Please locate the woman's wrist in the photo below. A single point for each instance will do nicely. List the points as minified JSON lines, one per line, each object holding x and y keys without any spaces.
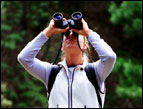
{"x":47,"y":32}
{"x":88,"y":32}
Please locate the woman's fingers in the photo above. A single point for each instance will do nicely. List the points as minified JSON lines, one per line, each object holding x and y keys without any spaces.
{"x":64,"y":19}
{"x":65,"y":29}
{"x":77,"y":31}
{"x":58,"y":30}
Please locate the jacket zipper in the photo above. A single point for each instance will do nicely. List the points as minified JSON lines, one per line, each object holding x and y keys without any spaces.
{"x":70,"y":96}
{"x":71,"y":86}
{"x":70,"y":89}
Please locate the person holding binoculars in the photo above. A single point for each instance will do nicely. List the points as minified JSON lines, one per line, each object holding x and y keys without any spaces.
{"x":73,"y":82}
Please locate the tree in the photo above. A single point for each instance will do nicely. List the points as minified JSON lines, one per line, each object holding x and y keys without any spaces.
{"x":20,"y":24}
{"x":129,"y":15}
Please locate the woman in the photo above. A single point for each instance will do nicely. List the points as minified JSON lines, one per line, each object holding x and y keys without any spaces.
{"x":71,"y":87}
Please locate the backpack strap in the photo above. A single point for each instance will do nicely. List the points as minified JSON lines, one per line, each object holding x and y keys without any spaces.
{"x":54,"y":71}
{"x":90,"y":72}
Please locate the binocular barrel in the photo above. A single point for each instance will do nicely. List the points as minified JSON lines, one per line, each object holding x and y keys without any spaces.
{"x":74,"y":23}
{"x":76,"y":17}
{"x":58,"y":18}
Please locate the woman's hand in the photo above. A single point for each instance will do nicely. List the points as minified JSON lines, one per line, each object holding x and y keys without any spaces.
{"x":85,"y":29}
{"x":51,"y":29}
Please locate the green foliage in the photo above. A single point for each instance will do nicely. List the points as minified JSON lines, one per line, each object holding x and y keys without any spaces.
{"x":20,"y":22}
{"x":129,"y":15}
{"x":4,"y":65}
{"x":10,"y":41}
{"x":5,"y":27}
{"x":4,"y":101}
{"x":130,"y":78}
{"x":9,"y":36}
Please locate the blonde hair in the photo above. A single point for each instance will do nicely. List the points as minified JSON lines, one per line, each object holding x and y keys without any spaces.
{"x":87,"y":51}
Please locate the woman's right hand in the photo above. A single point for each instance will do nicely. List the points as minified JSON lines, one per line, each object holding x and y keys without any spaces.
{"x":51,"y":29}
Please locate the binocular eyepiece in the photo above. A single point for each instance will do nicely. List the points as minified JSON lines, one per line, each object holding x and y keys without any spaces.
{"x":75,"y":22}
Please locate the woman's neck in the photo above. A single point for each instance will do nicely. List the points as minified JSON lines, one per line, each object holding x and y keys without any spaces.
{"x":74,"y":59}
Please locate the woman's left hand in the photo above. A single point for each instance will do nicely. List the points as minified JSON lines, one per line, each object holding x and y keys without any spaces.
{"x":85,"y":29}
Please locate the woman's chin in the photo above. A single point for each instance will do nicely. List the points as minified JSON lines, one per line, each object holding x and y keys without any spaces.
{"x":71,"y":46}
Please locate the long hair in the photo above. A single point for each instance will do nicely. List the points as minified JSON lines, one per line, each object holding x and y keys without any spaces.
{"x":87,"y":51}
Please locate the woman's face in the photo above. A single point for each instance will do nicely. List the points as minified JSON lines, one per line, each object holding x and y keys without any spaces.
{"x":70,"y":44}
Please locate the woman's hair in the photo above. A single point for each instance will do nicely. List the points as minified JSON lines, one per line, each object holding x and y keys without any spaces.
{"x":87,"y":51}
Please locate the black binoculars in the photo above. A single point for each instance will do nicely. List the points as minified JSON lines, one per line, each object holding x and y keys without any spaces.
{"x":74,"y":23}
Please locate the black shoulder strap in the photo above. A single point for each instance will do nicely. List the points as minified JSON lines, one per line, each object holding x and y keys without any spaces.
{"x":93,"y":79}
{"x":54,"y":71}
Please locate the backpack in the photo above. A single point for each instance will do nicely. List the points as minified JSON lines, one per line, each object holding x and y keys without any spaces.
{"x":90,"y":74}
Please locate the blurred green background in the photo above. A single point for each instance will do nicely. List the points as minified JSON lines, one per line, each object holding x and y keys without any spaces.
{"x":118,"y":23}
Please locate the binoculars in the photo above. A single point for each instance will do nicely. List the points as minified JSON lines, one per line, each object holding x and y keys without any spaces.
{"x":74,"y":23}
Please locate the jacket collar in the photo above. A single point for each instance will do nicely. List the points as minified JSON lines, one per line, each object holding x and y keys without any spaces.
{"x":64,"y":64}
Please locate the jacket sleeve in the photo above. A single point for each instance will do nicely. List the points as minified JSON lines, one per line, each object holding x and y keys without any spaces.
{"x":107,"y":56}
{"x":27,"y":58}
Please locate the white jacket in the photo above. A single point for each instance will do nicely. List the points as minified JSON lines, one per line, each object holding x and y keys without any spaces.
{"x":80,"y":93}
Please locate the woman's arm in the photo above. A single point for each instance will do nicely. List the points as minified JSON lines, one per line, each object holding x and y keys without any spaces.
{"x":107,"y":56}
{"x":27,"y":58}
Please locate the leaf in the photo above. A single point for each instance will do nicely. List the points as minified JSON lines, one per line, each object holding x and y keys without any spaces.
{"x":10,"y":44}
{"x":21,"y":105}
{"x":3,"y":87}
{"x":5,"y":27}
{"x":12,"y":93}
{"x":4,"y":65}
{"x":15,"y":37}
{"x":6,"y":103}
